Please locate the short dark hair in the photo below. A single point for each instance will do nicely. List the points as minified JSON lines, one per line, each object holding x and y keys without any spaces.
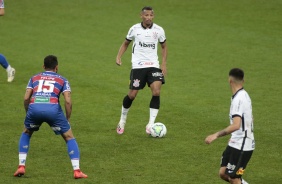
{"x":237,"y":73}
{"x":50,"y":62}
{"x":147,"y":8}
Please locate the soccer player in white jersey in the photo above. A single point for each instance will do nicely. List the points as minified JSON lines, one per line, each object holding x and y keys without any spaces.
{"x":2,"y":10}
{"x":145,"y":64}
{"x":241,"y":144}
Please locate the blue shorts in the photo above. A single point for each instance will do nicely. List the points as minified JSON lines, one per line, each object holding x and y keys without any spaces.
{"x":49,"y":113}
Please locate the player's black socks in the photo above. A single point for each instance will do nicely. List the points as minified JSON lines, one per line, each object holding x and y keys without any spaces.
{"x":127,"y":102}
{"x":155,"y":102}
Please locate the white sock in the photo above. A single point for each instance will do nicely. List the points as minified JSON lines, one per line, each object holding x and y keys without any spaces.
{"x":123,"y":115}
{"x":75,"y":164}
{"x":22,"y":158}
{"x":243,"y":181}
{"x":153,"y":115}
{"x":8,"y":68}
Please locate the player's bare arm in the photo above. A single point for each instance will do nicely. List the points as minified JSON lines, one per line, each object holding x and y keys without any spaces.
{"x":164,"y":57}
{"x":121,"y":51}
{"x":27,"y":97}
{"x":228,"y":130}
{"x":68,"y":104}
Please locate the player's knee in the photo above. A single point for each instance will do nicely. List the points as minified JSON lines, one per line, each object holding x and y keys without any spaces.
{"x":68,"y":135}
{"x":132,"y":96}
{"x":156,"y":92}
{"x":28,"y":132}
{"x":67,"y":138}
{"x":222,"y":175}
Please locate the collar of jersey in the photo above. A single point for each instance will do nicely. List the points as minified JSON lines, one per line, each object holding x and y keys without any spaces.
{"x":237,"y":92}
{"x":146,"y":27}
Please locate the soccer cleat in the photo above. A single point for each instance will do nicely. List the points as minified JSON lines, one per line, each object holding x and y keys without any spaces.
{"x":148,"y":131}
{"x":244,"y":182}
{"x":11,"y":75}
{"x":120,"y":127}
{"x":20,"y":171}
{"x":148,"y":127}
{"x":77,"y":174}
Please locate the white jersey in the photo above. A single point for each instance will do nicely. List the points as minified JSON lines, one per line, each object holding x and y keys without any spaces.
{"x":241,"y":105}
{"x":145,"y":45}
{"x":1,"y":3}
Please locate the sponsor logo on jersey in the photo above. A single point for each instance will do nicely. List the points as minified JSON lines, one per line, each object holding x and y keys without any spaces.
{"x":149,"y":45}
{"x":42,"y":100}
{"x":42,"y":94}
{"x":146,"y":63}
{"x":136,"y":83}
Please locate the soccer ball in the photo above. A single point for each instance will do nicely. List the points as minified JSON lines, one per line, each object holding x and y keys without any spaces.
{"x":158,"y":130}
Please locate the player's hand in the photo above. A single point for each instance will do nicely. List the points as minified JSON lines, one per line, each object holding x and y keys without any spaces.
{"x":118,"y":61}
{"x":209,"y":139}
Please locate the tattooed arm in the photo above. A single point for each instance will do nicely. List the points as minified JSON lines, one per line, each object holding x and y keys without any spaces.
{"x":228,"y":130}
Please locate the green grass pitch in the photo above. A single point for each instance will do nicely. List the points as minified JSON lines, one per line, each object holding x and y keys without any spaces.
{"x":205,"y":40}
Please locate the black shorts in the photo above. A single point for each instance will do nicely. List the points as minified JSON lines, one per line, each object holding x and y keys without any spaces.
{"x":235,"y":161}
{"x":139,"y":77}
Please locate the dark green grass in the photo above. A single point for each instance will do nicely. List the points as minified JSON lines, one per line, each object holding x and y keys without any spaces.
{"x":205,"y":39}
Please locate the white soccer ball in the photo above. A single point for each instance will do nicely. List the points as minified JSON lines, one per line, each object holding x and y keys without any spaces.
{"x":158,"y":130}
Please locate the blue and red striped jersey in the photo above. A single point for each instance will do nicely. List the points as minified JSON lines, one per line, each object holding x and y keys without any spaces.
{"x":47,"y":87}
